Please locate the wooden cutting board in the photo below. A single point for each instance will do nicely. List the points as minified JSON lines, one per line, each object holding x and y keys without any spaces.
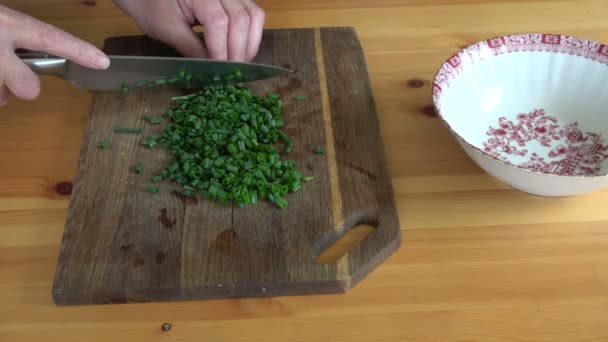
{"x":124,"y":244}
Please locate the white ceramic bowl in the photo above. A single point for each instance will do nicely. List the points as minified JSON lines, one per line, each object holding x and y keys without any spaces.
{"x":531,"y":110}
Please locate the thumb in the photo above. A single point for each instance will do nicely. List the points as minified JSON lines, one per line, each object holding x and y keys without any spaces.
{"x":183,"y":39}
{"x":32,"y":34}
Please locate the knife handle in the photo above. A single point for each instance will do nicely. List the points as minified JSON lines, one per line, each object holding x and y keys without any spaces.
{"x":43,"y":63}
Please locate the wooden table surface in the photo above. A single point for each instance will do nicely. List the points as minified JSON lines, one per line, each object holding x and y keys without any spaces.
{"x":479,"y":261}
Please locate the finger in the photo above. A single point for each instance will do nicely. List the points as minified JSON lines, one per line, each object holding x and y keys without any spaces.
{"x":256,"y":28}
{"x":214,"y":19}
{"x":4,"y":95}
{"x":183,"y":39}
{"x":32,"y":34}
{"x":20,"y":79}
{"x":238,"y":29}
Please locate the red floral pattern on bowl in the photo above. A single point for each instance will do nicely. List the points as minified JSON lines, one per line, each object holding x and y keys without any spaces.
{"x":546,"y":146}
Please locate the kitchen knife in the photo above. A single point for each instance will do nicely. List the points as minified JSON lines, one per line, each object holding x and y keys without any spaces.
{"x":133,"y":70}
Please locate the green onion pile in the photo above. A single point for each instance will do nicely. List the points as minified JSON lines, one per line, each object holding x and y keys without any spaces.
{"x":224,"y":142}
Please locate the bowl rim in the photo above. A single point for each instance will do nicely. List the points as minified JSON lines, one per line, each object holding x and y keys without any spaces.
{"x":487,"y":41}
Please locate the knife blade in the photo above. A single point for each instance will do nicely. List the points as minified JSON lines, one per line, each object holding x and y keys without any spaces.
{"x":131,"y":70}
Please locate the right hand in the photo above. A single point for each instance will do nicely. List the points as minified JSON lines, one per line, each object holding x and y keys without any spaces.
{"x":232,"y":28}
{"x":18,"y":30}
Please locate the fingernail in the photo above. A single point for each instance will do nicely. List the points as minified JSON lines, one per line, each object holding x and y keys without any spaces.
{"x":35,"y":91}
{"x":102,"y":61}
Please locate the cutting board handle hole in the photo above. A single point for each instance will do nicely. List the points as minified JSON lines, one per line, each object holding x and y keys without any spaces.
{"x":353,"y":235}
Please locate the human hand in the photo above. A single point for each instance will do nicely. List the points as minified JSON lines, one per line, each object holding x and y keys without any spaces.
{"x":18,"y":30}
{"x":232,"y":28}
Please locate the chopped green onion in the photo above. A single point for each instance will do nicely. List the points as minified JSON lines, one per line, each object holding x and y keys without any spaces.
{"x":301,"y":98}
{"x":174,"y":167}
{"x":127,"y":129}
{"x":219,"y":162}
{"x":318,"y":150}
{"x":222,"y":141}
{"x":285,"y":138}
{"x":179,"y":98}
{"x":149,"y":143}
{"x":152,"y":189}
{"x":104,"y":143}
{"x":152,"y":120}
{"x":288,"y":149}
{"x":280,"y":201}
{"x":138,"y":167}
{"x":207,"y":163}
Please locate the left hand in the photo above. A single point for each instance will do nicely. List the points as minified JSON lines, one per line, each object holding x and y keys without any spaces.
{"x":232,"y":28}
